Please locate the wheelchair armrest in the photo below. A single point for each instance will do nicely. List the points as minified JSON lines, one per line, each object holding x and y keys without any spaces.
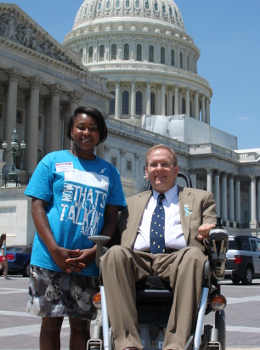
{"x":99,"y":241}
{"x":218,"y":246}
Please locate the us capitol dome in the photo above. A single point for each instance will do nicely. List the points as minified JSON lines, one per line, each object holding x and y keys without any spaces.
{"x":141,"y":47}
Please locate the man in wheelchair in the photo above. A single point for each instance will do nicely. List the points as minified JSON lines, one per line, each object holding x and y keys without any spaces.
{"x":164,"y":233}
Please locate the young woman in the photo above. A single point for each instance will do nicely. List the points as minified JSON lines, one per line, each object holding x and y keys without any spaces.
{"x":75,"y":194}
{"x":3,"y":258}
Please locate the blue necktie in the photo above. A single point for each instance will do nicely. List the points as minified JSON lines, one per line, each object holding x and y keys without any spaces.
{"x":157,"y":244}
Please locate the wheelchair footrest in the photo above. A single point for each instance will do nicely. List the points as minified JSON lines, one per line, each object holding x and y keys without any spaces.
{"x":94,"y":344}
{"x":213,"y":345}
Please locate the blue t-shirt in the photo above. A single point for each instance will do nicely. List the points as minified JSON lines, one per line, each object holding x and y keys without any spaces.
{"x":77,"y":192}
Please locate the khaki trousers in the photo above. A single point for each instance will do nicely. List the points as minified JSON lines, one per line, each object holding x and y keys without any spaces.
{"x":122,"y":267}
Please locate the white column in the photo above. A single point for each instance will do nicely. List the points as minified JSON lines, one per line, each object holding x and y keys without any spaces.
{"x":55,"y":117}
{"x":176,"y":100}
{"x":237,"y":201}
{"x":253,"y":201}
{"x":47,"y":125}
{"x":196,"y":105}
{"x":11,"y":110}
{"x":133,"y":100}
{"x":180,"y":101}
{"x":74,"y":99}
{"x":68,"y":111}
{"x":27,"y":99}
{"x":217,"y":194}
{"x":203,"y":114}
{"x":224,"y":197}
{"x":117,"y":98}
{"x":163,"y":100}
{"x":32,"y":145}
{"x":207,"y":111}
{"x":187,"y":102}
{"x":258,"y":199}
{"x":158,"y":100}
{"x":231,"y":199}
{"x":148,"y":99}
{"x":170,"y":94}
{"x":66,"y":114}
{"x":209,"y":179}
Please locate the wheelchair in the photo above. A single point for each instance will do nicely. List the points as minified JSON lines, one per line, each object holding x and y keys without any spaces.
{"x":154,"y":299}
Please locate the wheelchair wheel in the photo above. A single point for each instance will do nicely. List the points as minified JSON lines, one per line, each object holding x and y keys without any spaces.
{"x":220,"y":324}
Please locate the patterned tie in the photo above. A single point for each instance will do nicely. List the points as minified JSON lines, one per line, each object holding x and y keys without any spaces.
{"x":157,"y":244}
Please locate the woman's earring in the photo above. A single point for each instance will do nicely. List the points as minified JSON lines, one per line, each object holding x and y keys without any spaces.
{"x":72,"y":145}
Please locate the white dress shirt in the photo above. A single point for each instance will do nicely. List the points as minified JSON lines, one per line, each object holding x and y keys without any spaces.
{"x":174,"y":237}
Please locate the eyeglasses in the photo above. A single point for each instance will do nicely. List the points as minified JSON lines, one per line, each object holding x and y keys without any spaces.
{"x":163,"y":165}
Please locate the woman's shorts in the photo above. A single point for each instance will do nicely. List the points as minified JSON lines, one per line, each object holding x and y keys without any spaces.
{"x":60,"y":294}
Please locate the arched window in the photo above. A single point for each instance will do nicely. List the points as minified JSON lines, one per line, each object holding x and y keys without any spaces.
{"x":139,"y":52}
{"x":147,"y":5}
{"x":113,"y":52}
{"x":188,"y":62}
{"x":112,"y":104}
{"x":172,"y":57}
{"x":155,"y":6}
{"x":170,"y":10}
{"x":162,"y":55}
{"x":151,"y":53}
{"x":108,"y":4}
{"x":127,"y":4}
{"x":152,"y":103}
{"x":137,"y":4}
{"x":86,"y":9}
{"x":139,"y":104}
{"x":126,"y":52}
{"x":163,"y":8}
{"x":101,"y":52}
{"x":90,"y":54}
{"x":117,"y":3}
{"x":181,"y":60}
{"x":99,"y":6}
{"x":125,"y":103}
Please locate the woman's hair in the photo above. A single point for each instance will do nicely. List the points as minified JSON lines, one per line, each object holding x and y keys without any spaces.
{"x":2,"y":239}
{"x":174,"y":155}
{"x":93,"y":113}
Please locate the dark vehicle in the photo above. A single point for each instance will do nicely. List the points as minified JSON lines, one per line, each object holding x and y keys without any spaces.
{"x":243,"y":259}
{"x":18,"y":259}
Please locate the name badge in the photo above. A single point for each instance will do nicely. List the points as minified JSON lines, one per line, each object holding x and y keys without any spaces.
{"x":64,"y":167}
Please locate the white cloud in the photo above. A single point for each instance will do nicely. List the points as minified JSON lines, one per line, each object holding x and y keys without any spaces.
{"x":244,"y":119}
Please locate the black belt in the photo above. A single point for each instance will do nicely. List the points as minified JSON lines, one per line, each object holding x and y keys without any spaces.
{"x":167,"y":251}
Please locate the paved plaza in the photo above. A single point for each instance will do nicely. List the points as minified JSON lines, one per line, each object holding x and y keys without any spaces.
{"x":19,"y":330}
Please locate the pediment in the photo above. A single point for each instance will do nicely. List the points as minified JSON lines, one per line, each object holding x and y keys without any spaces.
{"x":16,"y":26}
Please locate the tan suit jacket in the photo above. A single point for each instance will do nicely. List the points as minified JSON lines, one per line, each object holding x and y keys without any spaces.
{"x":196,"y":207}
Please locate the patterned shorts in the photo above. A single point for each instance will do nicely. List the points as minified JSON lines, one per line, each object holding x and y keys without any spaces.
{"x":60,"y":294}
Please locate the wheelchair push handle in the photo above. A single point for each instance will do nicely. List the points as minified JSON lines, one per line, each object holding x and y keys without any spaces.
{"x":218,"y":246}
{"x":99,"y":241}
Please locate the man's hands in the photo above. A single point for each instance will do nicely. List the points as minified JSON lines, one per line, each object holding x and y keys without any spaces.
{"x":204,"y":231}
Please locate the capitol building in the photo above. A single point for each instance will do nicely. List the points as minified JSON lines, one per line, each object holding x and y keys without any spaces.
{"x":134,"y":61}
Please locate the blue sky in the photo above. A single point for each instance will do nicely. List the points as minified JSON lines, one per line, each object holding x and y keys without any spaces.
{"x":227,"y":34}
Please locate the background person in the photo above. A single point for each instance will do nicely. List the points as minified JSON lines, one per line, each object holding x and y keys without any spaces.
{"x":189,"y":215}
{"x":75,"y":194}
{"x":3,"y":257}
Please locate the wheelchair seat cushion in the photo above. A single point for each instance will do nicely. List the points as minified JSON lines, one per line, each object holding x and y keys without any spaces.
{"x":152,"y":282}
